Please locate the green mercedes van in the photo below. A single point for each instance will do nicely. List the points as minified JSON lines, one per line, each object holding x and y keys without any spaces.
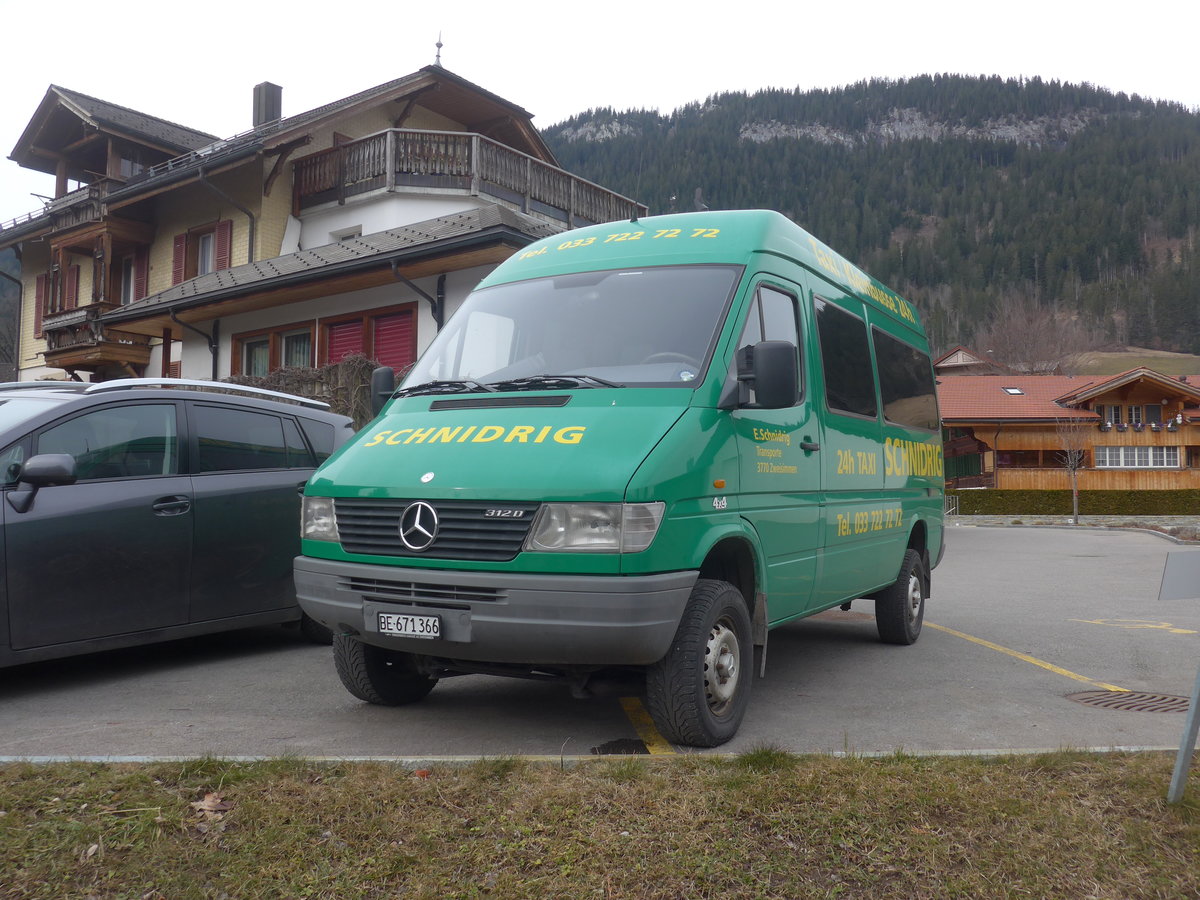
{"x":639,"y":445}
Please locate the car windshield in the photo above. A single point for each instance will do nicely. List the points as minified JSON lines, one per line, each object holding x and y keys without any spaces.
{"x":617,"y":328}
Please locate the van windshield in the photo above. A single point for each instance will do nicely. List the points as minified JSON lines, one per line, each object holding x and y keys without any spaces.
{"x":621,"y":327}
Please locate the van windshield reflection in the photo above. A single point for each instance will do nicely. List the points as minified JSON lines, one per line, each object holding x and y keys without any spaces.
{"x":625,"y":327}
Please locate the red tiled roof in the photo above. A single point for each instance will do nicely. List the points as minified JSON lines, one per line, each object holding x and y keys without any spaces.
{"x":982,"y":397}
{"x":975,"y":397}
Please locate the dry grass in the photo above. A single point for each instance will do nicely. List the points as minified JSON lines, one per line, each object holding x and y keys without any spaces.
{"x":765,"y":824}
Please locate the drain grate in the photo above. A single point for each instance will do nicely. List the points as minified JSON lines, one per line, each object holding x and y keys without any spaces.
{"x":1131,"y":701}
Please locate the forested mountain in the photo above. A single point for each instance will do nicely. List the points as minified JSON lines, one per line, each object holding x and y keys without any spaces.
{"x":967,"y":195}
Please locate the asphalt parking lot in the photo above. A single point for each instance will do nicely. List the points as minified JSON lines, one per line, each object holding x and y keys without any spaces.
{"x":1019,"y":619}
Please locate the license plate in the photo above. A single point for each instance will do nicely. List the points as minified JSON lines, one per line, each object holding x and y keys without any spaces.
{"x":410,"y":626}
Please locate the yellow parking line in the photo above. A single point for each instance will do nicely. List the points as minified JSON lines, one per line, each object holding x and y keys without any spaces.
{"x":1050,"y":667}
{"x":655,"y":743}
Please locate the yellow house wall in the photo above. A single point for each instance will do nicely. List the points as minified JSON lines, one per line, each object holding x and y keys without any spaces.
{"x":193,"y":205}
{"x":35,"y":261}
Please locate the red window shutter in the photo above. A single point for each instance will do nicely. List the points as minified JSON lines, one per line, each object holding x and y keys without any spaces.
{"x":179,"y":260}
{"x":222,"y":245}
{"x":394,"y":340}
{"x":41,"y":292}
{"x":345,"y":338}
{"x":71,"y":300}
{"x":141,"y":273}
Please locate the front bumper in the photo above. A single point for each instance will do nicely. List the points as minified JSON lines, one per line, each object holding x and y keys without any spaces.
{"x":502,"y":617}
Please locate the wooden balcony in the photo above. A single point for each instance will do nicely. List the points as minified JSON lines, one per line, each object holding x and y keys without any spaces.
{"x":86,"y":344}
{"x":79,"y":207}
{"x":404,"y":159}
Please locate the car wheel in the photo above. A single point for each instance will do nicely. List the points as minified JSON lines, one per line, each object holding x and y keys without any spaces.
{"x":900,"y":607}
{"x":697,"y":694}
{"x":379,"y":676}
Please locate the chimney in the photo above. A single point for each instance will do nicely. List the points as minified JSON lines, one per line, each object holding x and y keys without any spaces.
{"x":268,"y":103}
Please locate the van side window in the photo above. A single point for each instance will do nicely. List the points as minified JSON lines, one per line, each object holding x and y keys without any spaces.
{"x":237,"y":439}
{"x":117,"y":442}
{"x":846,"y":360}
{"x":905,"y":383}
{"x":772,"y":317}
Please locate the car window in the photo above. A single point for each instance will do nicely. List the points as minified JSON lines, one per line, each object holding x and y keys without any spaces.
{"x":117,"y":441}
{"x":237,"y":439}
{"x":10,"y":462}
{"x":298,"y":455}
{"x":320,"y":435}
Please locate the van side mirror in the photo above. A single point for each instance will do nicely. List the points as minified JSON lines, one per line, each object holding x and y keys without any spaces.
{"x":383,"y":384}
{"x":774,"y":373}
{"x":43,"y":470}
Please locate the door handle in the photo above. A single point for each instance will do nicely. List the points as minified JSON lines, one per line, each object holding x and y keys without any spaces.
{"x":809,"y":446}
{"x":172,"y":506}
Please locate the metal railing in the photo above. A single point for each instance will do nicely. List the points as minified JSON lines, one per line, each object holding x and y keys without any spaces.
{"x":454,"y":160}
{"x":74,"y":208}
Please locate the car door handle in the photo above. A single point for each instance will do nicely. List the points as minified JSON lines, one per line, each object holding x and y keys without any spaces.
{"x":172,"y":506}
{"x":809,"y":446}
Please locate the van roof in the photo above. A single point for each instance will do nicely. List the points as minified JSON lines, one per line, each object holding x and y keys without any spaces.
{"x":697,"y":238}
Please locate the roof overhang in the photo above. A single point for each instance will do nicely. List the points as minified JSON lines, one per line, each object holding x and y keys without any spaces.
{"x":488,"y":247}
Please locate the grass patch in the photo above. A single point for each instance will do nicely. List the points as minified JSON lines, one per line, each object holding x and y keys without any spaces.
{"x":764,"y":824}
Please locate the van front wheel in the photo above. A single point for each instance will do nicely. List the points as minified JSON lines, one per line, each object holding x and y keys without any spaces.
{"x":697,"y":693}
{"x":900,"y":607}
{"x":379,"y":676}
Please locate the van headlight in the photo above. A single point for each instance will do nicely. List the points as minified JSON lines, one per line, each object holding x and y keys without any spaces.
{"x":595,"y":527}
{"x":318,"y":521}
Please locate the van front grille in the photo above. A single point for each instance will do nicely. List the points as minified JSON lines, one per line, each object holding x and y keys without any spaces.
{"x":421,"y":593}
{"x":467,"y":529}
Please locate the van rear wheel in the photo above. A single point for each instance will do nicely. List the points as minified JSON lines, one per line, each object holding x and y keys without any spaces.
{"x":379,"y":676}
{"x":900,"y":607}
{"x":697,"y":694}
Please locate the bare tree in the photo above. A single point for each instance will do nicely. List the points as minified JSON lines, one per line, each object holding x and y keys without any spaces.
{"x":1035,"y":339}
{"x":1073,"y":438}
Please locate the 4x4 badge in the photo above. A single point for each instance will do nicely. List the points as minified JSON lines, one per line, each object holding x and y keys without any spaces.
{"x":418,"y":526}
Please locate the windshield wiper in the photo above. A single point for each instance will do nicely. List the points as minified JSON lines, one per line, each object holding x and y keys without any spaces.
{"x":465,"y":386}
{"x":551,"y":383}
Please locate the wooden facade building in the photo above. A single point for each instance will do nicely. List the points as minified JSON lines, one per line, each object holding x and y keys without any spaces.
{"x":1139,"y":430}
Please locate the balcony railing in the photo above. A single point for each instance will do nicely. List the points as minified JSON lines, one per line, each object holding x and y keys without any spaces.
{"x":470,"y":163}
{"x":76,"y":208}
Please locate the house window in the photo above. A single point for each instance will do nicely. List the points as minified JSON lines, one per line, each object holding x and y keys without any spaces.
{"x":206,"y":248}
{"x":256,"y":357}
{"x":260,"y":352}
{"x":1137,"y":457}
{"x":127,"y":274}
{"x":1015,"y":391}
{"x":388,"y":336}
{"x":1154,"y":413}
{"x":1018,"y":459}
{"x":1109,"y":413}
{"x":297,"y":348}
{"x":202,"y":250}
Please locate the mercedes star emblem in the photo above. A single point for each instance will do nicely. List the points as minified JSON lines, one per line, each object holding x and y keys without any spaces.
{"x":418,"y":526}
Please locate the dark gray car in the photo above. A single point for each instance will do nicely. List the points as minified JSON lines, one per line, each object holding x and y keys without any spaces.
{"x":144,"y":510}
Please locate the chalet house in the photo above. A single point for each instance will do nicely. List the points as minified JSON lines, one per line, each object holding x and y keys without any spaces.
{"x":1139,"y":430}
{"x":354,"y":227}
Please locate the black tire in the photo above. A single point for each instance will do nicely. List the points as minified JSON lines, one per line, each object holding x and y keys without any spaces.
{"x":900,"y":607}
{"x":314,"y":631}
{"x":379,"y":676}
{"x":697,"y":694}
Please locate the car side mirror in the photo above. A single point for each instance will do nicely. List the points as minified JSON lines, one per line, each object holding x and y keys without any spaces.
{"x":383,"y":385}
{"x":775,"y":373}
{"x":43,"y":470}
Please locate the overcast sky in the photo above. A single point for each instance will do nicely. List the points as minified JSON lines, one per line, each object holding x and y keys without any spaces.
{"x":198,"y":65}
